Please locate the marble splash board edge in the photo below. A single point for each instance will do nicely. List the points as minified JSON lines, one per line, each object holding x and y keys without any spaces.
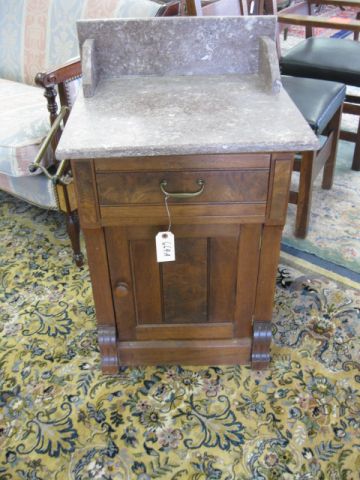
{"x":178,"y":46}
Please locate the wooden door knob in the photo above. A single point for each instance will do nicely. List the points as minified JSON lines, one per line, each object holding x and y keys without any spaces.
{"x":121,"y":289}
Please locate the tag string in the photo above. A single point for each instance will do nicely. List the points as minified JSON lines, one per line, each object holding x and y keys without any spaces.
{"x":168,"y":211}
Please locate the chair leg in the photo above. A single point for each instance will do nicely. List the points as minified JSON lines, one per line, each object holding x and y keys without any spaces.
{"x":329,"y":167}
{"x":356,"y":34}
{"x":304,"y":194}
{"x":73,"y":229}
{"x":356,"y":159}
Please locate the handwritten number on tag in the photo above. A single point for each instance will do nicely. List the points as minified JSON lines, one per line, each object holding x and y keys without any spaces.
{"x":165,"y":247}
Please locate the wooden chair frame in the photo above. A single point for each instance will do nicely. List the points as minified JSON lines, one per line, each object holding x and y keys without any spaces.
{"x":300,"y":15}
{"x":311,"y":163}
{"x":309,"y":166}
{"x":57,"y":82}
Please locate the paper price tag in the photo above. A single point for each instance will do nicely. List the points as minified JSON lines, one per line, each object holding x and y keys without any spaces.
{"x":165,"y":247}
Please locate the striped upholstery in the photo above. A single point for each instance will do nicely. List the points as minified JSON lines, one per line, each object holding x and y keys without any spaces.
{"x":41,"y":34}
{"x":24,"y":122}
{"x":35,"y":36}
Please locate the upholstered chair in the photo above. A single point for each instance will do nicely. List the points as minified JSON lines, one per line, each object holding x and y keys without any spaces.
{"x":39,"y":37}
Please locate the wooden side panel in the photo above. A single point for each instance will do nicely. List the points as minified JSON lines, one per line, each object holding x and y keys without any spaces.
{"x":146,"y":275}
{"x":223,"y":253}
{"x":247,"y":277}
{"x":185,"y":283}
{"x":86,"y":193}
{"x":280,"y":177}
{"x":269,"y":259}
{"x":102,"y":291}
{"x":120,"y":271}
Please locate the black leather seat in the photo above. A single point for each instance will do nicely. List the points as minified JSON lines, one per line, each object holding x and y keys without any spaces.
{"x":317,"y":100}
{"x":334,"y":59}
{"x":320,"y":102}
{"x":325,"y":58}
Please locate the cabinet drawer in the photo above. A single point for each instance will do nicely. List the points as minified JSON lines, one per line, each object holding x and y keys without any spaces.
{"x":219,"y":187}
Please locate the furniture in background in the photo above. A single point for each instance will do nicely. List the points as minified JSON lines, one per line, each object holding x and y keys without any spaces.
{"x":210,"y":132}
{"x":199,"y":8}
{"x":320,"y":102}
{"x":334,"y":59}
{"x":229,"y":7}
{"x":36,"y":36}
{"x":311,"y":7}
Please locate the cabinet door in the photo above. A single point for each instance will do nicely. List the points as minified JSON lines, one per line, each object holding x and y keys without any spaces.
{"x":208,"y":292}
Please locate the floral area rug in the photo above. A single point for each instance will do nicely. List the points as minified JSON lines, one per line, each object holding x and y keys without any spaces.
{"x":60,"y":418}
{"x":334,"y":229}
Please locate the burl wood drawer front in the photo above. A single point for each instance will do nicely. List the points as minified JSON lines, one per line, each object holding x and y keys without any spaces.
{"x":143,"y":188}
{"x":230,"y":188}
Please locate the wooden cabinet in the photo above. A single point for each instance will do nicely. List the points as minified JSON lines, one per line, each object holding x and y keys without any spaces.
{"x":213,"y":304}
{"x":206,"y":123}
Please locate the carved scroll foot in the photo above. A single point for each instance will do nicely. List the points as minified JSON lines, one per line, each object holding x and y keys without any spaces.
{"x":260,"y":354}
{"x":108,"y":349}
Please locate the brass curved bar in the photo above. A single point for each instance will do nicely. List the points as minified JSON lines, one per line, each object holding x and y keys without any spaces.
{"x":200,"y":182}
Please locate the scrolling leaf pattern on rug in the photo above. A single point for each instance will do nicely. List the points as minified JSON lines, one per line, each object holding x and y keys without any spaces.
{"x":60,"y":418}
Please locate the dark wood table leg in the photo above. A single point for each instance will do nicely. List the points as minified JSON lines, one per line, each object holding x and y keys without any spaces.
{"x":356,"y":159}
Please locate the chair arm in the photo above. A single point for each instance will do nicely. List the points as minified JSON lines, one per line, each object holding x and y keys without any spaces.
{"x":312,"y":21}
{"x":170,"y":9}
{"x":59,"y":77}
{"x":69,"y":71}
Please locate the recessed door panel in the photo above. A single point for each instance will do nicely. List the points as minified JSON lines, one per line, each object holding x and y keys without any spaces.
{"x":185,"y":286}
{"x":197,"y":291}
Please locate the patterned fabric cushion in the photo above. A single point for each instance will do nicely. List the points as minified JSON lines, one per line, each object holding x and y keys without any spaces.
{"x":38,"y":190}
{"x":41,"y":34}
{"x":24,"y":122}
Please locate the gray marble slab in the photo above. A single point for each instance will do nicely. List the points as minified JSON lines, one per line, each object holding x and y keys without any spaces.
{"x":180,"y":115}
{"x":175,"y":45}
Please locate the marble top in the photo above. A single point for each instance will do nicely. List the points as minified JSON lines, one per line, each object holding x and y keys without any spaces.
{"x":176,"y":45}
{"x":181,"y":115}
{"x":181,"y":86}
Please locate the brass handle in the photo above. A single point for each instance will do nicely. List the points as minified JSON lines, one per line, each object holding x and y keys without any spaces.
{"x":200,"y":182}
{"x":121,"y":289}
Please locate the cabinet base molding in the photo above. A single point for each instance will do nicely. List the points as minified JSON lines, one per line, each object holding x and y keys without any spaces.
{"x":260,"y":354}
{"x":201,"y":352}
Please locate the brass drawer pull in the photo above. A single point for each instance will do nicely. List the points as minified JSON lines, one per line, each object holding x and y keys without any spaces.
{"x":200,"y":182}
